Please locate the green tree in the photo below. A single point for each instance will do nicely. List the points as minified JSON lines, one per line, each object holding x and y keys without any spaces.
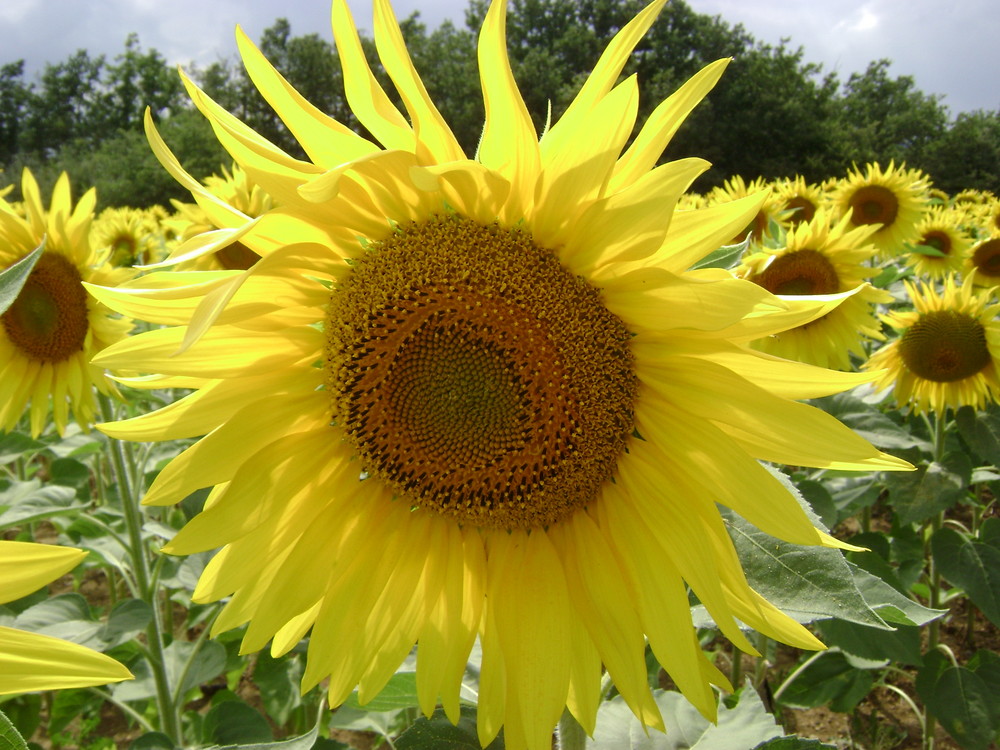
{"x":967,"y":154}
{"x":881,"y":118}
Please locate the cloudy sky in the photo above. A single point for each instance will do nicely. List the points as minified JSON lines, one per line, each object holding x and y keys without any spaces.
{"x":949,"y":48}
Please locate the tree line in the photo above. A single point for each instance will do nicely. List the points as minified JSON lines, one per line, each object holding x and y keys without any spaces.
{"x":772,"y":115}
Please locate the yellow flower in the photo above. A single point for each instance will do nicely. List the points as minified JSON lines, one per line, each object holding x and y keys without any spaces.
{"x":53,"y":329}
{"x":772,"y":209}
{"x":982,"y":260}
{"x":894,"y":198}
{"x":29,"y":661}
{"x":941,"y":244}
{"x":480,"y":398}
{"x":802,"y":199}
{"x":821,"y":259}
{"x":126,"y":235}
{"x":947,"y":350}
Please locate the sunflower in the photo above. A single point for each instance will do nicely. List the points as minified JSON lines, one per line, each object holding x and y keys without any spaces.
{"x":127,"y":235}
{"x":498,"y":369}
{"x":29,"y":661}
{"x":772,"y":209}
{"x":941,"y":245}
{"x":947,"y":350}
{"x":821,"y":259}
{"x":894,"y":198}
{"x":192,"y":221}
{"x":982,"y":260}
{"x":53,"y":329}
{"x":802,"y":199}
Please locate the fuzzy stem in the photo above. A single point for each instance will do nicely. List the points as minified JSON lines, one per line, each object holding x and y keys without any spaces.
{"x":169,"y":717}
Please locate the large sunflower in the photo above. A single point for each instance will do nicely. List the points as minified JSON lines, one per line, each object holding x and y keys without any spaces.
{"x":53,"y":329}
{"x":821,"y":259}
{"x":982,"y":260}
{"x":464,"y":398}
{"x":29,"y":661}
{"x":947,"y":350}
{"x":894,"y":198}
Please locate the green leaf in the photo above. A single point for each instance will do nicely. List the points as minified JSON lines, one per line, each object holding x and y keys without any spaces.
{"x":725,"y":257}
{"x":794,"y":743}
{"x":12,"y":279}
{"x":971,"y":565}
{"x":208,"y":663}
{"x":128,"y":617}
{"x":963,"y":703}
{"x":438,"y":733}
{"x":399,"y":692}
{"x":872,"y":424}
{"x":745,"y":725}
{"x":152,"y":741}
{"x":9,"y":738}
{"x":236,"y":724}
{"x":830,"y":679}
{"x":13,"y":445}
{"x":918,"y":495}
{"x":27,"y":502}
{"x":807,"y":583}
{"x":981,"y":432}
{"x":888,"y":603}
{"x":901,"y":645}
{"x":278,"y":680}
{"x":68,"y":705}
{"x":69,"y":472}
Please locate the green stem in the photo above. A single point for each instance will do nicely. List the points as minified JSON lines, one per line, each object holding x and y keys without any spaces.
{"x":125,"y":709}
{"x":571,"y":734}
{"x":798,"y":670}
{"x":736,"y":669}
{"x":934,"y":575}
{"x":170,"y":723}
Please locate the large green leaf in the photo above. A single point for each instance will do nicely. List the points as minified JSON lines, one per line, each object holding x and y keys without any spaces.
{"x":12,"y":279}
{"x":918,"y":495}
{"x":807,"y":583}
{"x":438,"y":733}
{"x":235,"y":723}
{"x":961,"y":700}
{"x":306,"y":741}
{"x":9,"y":737}
{"x":30,"y":501}
{"x":208,"y":663}
{"x":746,"y":725}
{"x":981,"y":432}
{"x":972,"y":565}
{"x":399,"y":692}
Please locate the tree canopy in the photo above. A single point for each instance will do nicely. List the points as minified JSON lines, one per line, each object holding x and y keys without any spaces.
{"x":772,"y":115}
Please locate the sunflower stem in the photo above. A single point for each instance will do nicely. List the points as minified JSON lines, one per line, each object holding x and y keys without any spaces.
{"x":170,"y":723}
{"x":571,"y":734}
{"x":931,"y":527}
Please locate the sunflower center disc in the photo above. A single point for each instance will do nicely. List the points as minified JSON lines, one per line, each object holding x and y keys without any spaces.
{"x":944,"y":346}
{"x":939,"y":241}
{"x":476,"y":376}
{"x":874,"y":204}
{"x":236,"y":257}
{"x":799,"y":272}
{"x":48,"y":321}
{"x":986,"y":258}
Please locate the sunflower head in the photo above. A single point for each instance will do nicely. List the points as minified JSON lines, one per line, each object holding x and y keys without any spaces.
{"x":500,"y":368}
{"x":941,"y":245}
{"x":773,"y":209}
{"x":821,"y":258}
{"x":53,"y":328}
{"x":802,"y":199}
{"x":893,"y":199}
{"x":945,"y":353}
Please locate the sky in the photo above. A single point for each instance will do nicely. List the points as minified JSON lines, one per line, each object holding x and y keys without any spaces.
{"x":949,"y":48}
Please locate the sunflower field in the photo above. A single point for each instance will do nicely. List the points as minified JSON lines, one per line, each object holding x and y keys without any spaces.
{"x":394,"y":445}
